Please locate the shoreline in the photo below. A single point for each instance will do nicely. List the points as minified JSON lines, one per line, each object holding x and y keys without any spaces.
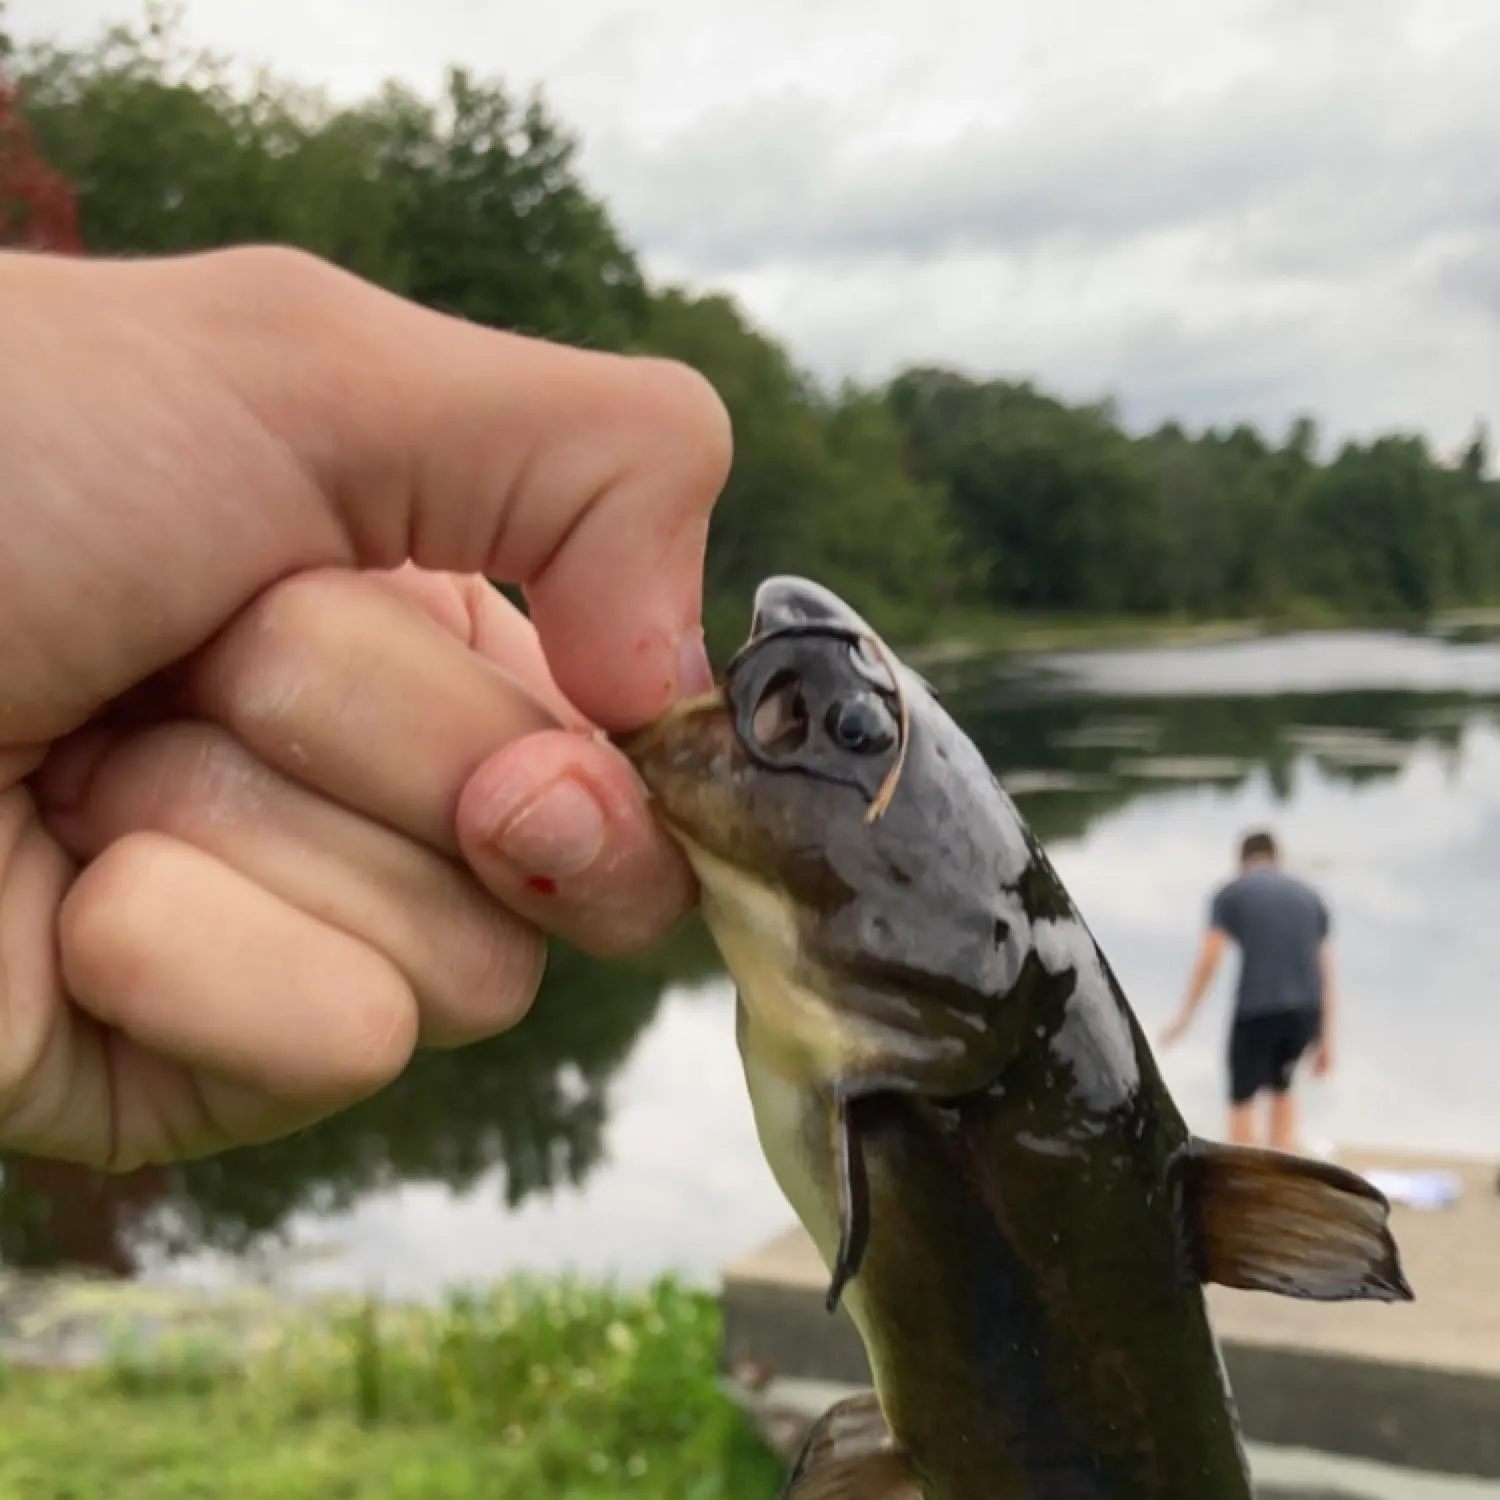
{"x":73,"y":1317}
{"x":965,"y":636}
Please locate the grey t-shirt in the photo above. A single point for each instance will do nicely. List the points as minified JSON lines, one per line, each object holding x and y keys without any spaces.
{"x":1279,"y":924}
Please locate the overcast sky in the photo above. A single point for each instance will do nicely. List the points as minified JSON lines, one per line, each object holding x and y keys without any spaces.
{"x":1215,"y":212}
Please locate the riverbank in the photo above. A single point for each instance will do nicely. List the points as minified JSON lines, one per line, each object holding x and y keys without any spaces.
{"x":579,"y":1392}
{"x":962,"y":634}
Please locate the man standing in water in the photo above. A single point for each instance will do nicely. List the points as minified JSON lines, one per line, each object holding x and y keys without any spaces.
{"x":1284,"y":1000}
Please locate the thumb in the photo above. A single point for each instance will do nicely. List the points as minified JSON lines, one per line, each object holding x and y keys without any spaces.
{"x":584,"y":476}
{"x":176,"y":435}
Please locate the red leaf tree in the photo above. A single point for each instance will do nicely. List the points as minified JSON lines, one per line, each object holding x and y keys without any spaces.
{"x":37,"y":208}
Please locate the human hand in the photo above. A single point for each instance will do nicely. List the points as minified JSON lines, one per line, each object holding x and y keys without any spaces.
{"x":1174,"y":1030}
{"x":252,"y":761}
{"x":1323,"y":1060}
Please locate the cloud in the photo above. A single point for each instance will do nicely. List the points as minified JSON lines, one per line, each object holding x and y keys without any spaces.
{"x":1310,"y":228}
{"x":1238,"y":211}
{"x":1301,"y":165}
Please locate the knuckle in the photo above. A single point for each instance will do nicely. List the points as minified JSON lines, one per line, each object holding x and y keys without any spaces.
{"x":189,"y":780}
{"x":178,"y":777}
{"x":378,"y":1030}
{"x":107,"y":919}
{"x":268,"y":662}
{"x":281,"y":282}
{"x":685,"y":401}
{"x":303,"y":604}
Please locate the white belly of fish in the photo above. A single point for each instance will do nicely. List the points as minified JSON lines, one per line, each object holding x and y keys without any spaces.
{"x":789,"y":1036}
{"x":789,"y":1146}
{"x":803,"y":1166}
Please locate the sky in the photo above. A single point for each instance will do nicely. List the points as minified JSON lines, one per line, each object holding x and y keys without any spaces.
{"x":1242,"y":211}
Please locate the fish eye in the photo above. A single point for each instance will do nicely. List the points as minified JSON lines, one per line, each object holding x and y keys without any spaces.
{"x":780,"y":721}
{"x":861,"y":725}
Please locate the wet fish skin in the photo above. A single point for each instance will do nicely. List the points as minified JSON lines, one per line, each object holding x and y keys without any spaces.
{"x":960,"y":1106}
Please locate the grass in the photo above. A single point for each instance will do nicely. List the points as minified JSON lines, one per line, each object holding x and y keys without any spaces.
{"x":557,"y":1390}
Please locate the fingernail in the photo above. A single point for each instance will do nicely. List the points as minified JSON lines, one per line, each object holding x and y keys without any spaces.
{"x":555,"y":833}
{"x":694,"y":675}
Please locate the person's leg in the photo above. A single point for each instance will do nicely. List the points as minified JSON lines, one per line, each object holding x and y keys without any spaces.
{"x":1242,"y":1123}
{"x":1295,"y":1033}
{"x":1283,"y":1133}
{"x":1247,"y":1070}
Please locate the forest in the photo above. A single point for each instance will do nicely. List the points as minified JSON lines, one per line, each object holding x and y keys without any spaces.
{"x":934,"y":498}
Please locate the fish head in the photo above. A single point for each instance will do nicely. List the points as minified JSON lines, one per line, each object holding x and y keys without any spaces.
{"x":778,"y":766}
{"x":842,"y":827}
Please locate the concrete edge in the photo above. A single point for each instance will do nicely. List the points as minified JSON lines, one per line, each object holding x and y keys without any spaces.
{"x":1410,"y":1417}
{"x":1287,"y":1468}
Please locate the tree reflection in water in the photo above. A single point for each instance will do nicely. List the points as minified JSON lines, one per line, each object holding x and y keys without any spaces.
{"x":533,"y":1103}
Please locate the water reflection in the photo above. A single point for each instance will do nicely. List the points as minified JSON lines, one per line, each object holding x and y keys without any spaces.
{"x":610,"y":1131}
{"x":523,"y":1114}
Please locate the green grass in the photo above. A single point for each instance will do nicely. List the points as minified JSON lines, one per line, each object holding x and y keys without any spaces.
{"x":555,"y":1390}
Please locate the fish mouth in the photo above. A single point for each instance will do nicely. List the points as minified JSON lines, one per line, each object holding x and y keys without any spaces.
{"x":688,"y":724}
{"x":804,"y":734}
{"x":691,"y":736}
{"x":688,"y":759}
{"x":812,"y":695}
{"x":699,"y":758}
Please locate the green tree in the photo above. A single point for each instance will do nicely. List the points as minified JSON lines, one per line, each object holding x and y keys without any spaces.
{"x":164,"y":156}
{"x":1374,"y":529}
{"x":493,"y":222}
{"x":818,"y":485}
{"x":1059,"y":507}
{"x":471,"y":204}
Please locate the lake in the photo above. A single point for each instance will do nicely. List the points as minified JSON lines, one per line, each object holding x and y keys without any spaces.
{"x":610,"y":1133}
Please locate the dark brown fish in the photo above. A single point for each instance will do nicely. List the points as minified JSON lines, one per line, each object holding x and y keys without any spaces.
{"x":960,"y":1106}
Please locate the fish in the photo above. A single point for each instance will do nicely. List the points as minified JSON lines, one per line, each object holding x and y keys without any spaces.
{"x":959,"y":1104}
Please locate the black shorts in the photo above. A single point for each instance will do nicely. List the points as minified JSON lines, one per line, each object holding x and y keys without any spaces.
{"x":1264,"y":1051}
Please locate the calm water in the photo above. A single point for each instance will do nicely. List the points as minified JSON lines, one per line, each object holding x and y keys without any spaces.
{"x":611,"y":1133}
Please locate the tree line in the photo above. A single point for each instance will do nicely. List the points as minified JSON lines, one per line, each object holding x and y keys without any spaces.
{"x":923,"y":500}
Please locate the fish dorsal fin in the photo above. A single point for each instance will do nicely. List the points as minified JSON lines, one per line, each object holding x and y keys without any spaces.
{"x":1268,"y":1221}
{"x":850,"y":1454}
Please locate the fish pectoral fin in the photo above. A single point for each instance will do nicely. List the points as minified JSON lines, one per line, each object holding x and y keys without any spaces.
{"x":853,"y":1197}
{"x":1268,"y":1221}
{"x":852,"y":1095}
{"x":850,"y":1454}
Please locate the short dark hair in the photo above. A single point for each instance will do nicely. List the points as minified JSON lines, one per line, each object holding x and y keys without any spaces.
{"x":1257,"y":845}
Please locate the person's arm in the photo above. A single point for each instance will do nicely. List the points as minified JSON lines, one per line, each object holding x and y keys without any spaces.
{"x":1210,"y":951}
{"x":1323,"y":1057}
